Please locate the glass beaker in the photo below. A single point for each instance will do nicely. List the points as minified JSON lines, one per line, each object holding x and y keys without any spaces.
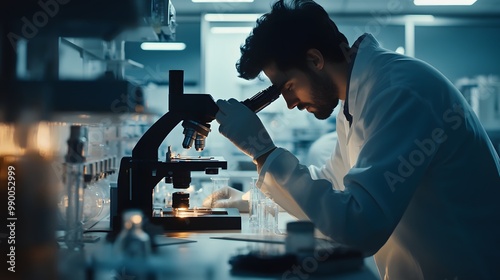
{"x":263,"y":211}
{"x":255,"y":197}
{"x":269,"y":211}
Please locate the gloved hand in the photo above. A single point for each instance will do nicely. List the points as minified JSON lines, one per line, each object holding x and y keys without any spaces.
{"x":242,"y":127}
{"x":227,"y":197}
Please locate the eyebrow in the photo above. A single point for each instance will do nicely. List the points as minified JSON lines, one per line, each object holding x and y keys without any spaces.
{"x":281,"y":86}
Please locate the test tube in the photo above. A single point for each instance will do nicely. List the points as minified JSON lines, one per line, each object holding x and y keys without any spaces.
{"x":269,"y":211}
{"x":255,"y":197}
{"x":74,"y":181}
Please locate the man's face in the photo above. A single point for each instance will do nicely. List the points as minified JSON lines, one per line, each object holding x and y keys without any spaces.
{"x":310,"y":90}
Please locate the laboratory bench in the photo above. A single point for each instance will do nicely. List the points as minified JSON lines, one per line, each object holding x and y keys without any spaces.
{"x":207,"y":255}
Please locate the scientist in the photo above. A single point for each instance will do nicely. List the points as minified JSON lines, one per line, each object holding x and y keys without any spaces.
{"x":414,"y":179}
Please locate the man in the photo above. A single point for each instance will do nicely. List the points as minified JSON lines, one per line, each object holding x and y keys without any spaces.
{"x":414,"y":179}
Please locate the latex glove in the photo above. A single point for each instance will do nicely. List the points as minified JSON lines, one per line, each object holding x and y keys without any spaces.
{"x":227,"y":197}
{"x":242,"y":127}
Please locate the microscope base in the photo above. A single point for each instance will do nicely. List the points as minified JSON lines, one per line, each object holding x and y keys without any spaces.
{"x":198,"y":219}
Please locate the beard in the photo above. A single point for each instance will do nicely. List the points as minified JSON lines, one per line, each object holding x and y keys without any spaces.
{"x":324,"y":94}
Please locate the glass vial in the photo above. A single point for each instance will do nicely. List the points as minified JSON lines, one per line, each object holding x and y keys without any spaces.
{"x":255,"y":198}
{"x":74,"y":182}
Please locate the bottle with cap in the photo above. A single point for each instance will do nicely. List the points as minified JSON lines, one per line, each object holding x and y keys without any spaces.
{"x":133,"y":241}
{"x":132,"y":247}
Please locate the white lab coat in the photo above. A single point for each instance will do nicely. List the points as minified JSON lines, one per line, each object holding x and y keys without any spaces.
{"x":321,"y":149}
{"x":414,"y":179}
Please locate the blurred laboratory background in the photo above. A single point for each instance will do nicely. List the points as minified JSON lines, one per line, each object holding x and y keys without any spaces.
{"x":99,"y":65}
{"x":105,"y":66}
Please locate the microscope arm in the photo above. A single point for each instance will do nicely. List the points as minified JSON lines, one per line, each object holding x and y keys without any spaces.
{"x":147,"y":147}
{"x":197,"y":109}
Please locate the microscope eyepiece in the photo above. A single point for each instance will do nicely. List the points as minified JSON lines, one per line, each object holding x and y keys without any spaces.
{"x":263,"y":98}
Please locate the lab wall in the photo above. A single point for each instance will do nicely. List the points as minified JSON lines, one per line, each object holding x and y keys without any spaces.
{"x":456,"y":51}
{"x":468,"y":56}
{"x":460,"y":51}
{"x":390,"y":37}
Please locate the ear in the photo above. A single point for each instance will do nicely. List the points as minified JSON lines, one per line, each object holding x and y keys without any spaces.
{"x":315,"y":59}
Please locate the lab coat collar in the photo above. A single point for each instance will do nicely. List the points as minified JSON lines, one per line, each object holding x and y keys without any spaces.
{"x":362,"y":48}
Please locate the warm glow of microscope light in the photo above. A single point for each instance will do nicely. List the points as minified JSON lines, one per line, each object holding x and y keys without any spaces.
{"x":181,"y":212}
{"x":179,"y":234}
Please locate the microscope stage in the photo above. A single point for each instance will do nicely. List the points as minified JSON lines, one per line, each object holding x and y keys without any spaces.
{"x":197,"y":219}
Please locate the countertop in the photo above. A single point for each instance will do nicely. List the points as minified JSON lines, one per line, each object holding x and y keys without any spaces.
{"x":205,"y":255}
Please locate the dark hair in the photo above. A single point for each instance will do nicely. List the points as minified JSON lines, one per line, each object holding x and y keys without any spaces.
{"x":286,"y":33}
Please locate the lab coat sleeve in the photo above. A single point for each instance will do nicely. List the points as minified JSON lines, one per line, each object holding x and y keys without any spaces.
{"x":332,"y":170}
{"x":376,"y":192}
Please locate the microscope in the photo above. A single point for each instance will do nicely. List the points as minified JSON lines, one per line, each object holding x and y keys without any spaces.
{"x":141,"y":172}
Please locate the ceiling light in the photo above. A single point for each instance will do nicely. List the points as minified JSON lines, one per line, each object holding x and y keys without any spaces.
{"x":221,"y":1}
{"x":163,"y":46}
{"x":231,"y":30}
{"x":444,"y":2}
{"x":231,"y":17}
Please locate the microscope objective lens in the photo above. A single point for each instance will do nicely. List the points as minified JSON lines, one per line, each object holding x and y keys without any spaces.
{"x":180,"y":200}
